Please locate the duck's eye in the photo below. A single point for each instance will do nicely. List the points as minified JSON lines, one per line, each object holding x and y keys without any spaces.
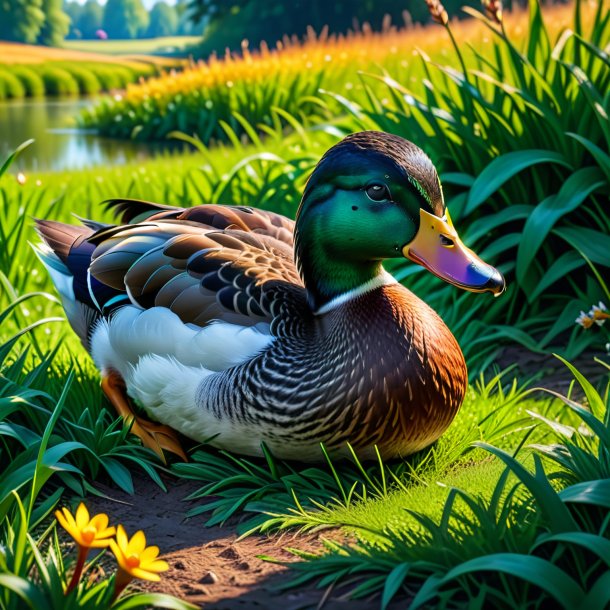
{"x":377,"y":192}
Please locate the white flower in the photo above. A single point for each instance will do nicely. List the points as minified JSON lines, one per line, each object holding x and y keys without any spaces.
{"x":598,"y":313}
{"x":584,"y":320}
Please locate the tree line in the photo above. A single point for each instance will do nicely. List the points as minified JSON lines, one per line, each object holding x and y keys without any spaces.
{"x":49,"y":22}
{"x":224,"y":23}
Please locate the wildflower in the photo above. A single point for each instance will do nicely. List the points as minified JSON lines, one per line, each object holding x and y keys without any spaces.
{"x":21,"y":178}
{"x":135,"y":559}
{"x":88,"y":533}
{"x":584,"y":320}
{"x":599,"y":313}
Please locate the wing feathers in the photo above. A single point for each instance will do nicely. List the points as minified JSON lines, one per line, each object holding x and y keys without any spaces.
{"x":204,"y":263}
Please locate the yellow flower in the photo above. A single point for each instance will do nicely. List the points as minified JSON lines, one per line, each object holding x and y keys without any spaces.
{"x":135,"y":559}
{"x":88,"y":533}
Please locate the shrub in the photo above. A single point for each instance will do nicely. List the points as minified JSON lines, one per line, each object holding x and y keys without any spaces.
{"x":10,"y":86}
{"x":88,"y":83}
{"x":106,"y":77}
{"x":31,"y":81}
{"x":58,"y":81}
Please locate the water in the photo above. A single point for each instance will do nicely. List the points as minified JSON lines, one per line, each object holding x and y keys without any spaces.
{"x":59,"y":144}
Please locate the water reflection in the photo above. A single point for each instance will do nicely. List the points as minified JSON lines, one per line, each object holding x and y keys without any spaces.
{"x":59,"y":145}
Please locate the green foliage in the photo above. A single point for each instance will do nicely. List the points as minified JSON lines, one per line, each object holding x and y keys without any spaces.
{"x":74,"y":10}
{"x":32,"y":82}
{"x":89,"y":19}
{"x":10,"y":85}
{"x":58,"y":81}
{"x":88,"y":84}
{"x":163,"y":20}
{"x":228,"y":23}
{"x":56,"y":24}
{"x":125,"y":18}
{"x":21,"y":20}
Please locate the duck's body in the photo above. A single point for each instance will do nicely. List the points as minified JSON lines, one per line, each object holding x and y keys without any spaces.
{"x":204,"y":316}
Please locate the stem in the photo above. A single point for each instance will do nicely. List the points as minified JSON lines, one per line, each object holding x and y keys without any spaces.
{"x":457,"y":50}
{"x":123,"y":578}
{"x":78,"y":570}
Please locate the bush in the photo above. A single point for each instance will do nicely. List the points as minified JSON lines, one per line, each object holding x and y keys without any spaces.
{"x":31,"y":81}
{"x":10,"y":86}
{"x":107,"y":77}
{"x":88,"y":83}
{"x":58,"y":81}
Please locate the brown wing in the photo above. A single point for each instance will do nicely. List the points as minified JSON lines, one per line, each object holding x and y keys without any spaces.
{"x":134,"y":211}
{"x":176,"y":260}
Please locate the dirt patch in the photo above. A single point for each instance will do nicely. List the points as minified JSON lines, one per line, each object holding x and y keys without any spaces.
{"x":208,"y":566}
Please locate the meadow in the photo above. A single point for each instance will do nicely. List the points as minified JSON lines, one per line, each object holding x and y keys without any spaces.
{"x":36,"y":71}
{"x":147,"y":46}
{"x":510,"y":508}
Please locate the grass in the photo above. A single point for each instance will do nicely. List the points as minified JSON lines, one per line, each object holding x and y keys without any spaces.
{"x":18,"y":53}
{"x":148,"y":46}
{"x":35,"y":71}
{"x":254,"y":87}
{"x":519,"y":543}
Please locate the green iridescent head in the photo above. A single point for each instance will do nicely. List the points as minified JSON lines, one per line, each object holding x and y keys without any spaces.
{"x":366,"y":201}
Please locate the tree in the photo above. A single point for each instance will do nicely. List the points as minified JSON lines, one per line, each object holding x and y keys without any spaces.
{"x":125,"y":18}
{"x":163,"y":21}
{"x":91,"y":18}
{"x":21,"y":20}
{"x":56,"y":24}
{"x":74,"y":10}
{"x":186,"y":25}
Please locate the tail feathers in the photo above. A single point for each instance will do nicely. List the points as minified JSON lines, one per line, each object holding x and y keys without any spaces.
{"x":94,"y":225}
{"x":60,"y":237}
{"x":60,"y":274}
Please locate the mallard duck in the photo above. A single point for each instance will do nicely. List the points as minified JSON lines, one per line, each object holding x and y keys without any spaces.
{"x":238,"y":326}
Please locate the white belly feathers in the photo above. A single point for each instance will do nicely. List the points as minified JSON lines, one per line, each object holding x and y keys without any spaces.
{"x":163,"y":361}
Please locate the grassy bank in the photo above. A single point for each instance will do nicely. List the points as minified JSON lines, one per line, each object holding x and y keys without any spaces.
{"x":148,"y":46}
{"x":36,"y":71}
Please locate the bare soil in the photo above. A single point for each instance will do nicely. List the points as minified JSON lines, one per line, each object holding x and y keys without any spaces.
{"x":208,"y":566}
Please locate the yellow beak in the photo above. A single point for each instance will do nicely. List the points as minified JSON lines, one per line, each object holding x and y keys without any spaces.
{"x":437,"y":247}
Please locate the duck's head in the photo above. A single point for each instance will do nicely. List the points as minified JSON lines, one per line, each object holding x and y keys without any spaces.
{"x":375,"y":196}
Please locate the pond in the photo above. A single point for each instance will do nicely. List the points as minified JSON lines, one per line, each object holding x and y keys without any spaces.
{"x":59,"y":144}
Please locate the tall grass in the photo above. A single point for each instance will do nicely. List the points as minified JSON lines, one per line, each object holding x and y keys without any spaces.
{"x":256,"y":86}
{"x":520,"y":131}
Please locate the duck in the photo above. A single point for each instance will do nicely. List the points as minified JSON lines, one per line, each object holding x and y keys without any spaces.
{"x":244,"y":329}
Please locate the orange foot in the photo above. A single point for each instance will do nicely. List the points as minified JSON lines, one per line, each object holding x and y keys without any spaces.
{"x":154,"y":436}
